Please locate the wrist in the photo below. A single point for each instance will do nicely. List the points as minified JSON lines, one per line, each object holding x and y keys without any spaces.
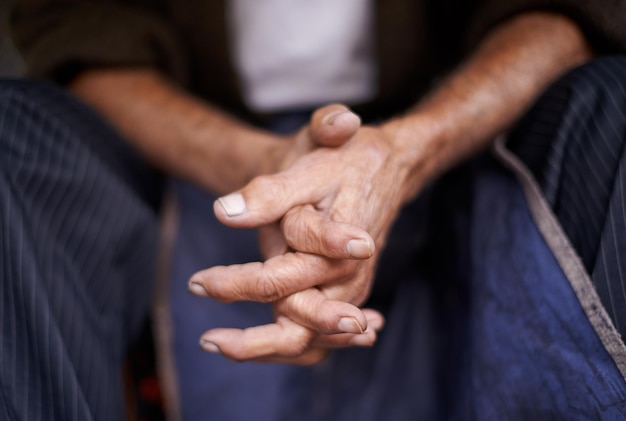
{"x":419,"y":145}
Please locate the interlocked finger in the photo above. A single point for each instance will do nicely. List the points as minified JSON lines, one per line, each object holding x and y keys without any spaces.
{"x":284,"y":341}
{"x":283,"y":338}
{"x":271,"y":280}
{"x":311,"y":308}
{"x":307,"y":230}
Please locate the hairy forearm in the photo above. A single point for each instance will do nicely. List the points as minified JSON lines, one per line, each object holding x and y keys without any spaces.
{"x":176,"y":132}
{"x":487,"y":94}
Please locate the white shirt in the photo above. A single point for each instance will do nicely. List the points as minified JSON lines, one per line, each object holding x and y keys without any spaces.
{"x":294,"y":54}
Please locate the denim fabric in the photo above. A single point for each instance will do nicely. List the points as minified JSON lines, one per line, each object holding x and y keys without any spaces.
{"x":482,"y":321}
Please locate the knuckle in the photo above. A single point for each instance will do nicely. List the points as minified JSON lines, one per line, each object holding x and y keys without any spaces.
{"x":345,"y":268}
{"x":353,"y":290}
{"x":296,"y":344}
{"x":301,"y":230}
{"x":272,"y":288}
{"x":260,"y":182}
{"x":315,"y":357}
{"x":332,"y":237}
{"x":271,"y":188}
{"x":294,"y":228}
{"x":310,"y":311}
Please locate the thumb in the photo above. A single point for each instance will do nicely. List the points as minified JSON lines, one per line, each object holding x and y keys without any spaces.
{"x":263,"y":201}
{"x":333,"y":125}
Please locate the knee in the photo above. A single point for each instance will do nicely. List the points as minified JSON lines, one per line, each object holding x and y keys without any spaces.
{"x":590,"y":99}
{"x":26,"y":117}
{"x":584,"y":106}
{"x":27,"y":105}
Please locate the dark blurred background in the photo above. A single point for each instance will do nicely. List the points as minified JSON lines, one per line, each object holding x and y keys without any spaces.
{"x":10,"y":61}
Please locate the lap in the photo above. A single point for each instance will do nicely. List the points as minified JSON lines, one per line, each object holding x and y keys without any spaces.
{"x":573,"y":141}
{"x":79,"y":231}
{"x":441,"y":353}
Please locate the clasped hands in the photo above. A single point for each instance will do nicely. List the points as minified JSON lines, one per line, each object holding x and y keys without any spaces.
{"x":324,"y":220}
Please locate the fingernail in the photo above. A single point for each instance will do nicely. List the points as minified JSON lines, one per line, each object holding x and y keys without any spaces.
{"x":197,"y":289}
{"x":361,"y":340}
{"x":209,"y":346}
{"x":376,"y":323}
{"x":359,"y":249}
{"x":349,"y":325}
{"x":330,"y":119}
{"x":233,"y":204}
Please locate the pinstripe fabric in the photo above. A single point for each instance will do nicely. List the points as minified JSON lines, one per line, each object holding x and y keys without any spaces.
{"x":573,"y":141}
{"x":76,"y":257}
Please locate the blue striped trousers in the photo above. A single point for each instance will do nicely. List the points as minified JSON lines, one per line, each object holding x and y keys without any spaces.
{"x":78,"y":232}
{"x":574,"y":142}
